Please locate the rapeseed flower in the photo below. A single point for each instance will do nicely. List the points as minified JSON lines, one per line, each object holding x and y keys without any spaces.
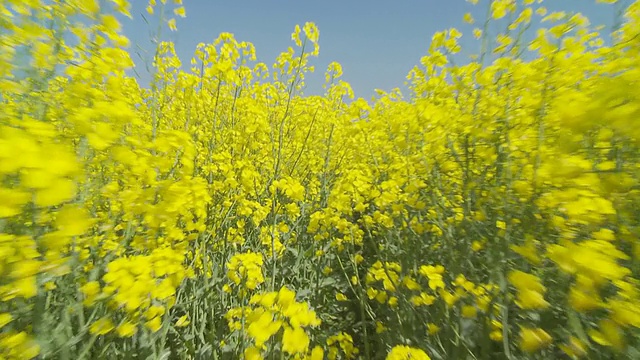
{"x":134,"y":204}
{"x":402,"y":352}
{"x":533,"y":339}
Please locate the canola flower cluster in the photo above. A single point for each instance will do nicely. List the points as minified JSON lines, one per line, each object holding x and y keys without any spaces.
{"x":492,"y":212}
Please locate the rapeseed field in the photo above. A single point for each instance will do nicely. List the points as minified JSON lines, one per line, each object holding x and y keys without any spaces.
{"x":490,"y":212}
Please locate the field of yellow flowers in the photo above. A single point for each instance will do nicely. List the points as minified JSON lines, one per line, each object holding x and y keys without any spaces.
{"x":491,"y":213}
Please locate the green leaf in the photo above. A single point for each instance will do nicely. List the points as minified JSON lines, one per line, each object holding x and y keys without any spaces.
{"x":576,"y":326}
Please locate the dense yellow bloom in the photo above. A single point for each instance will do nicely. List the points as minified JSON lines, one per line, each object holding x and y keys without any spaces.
{"x":574,"y":348}
{"x":18,"y":346}
{"x":496,"y":335}
{"x":343,"y":342}
{"x":608,"y":334}
{"x":271,"y":312}
{"x":469,"y":311}
{"x":90,"y":291}
{"x":499,"y":8}
{"x":402,"y":352}
{"x":126,"y":208}
{"x":154,"y":324}
{"x":295,"y":340}
{"x":264,"y":327}
{"x":434,"y":274}
{"x":252,"y":353}
{"x":533,"y":339}
{"x":101,"y":326}
{"x":530,"y":290}
{"x":528,"y":251}
{"x":5,"y":318}
{"x":386,"y":273}
{"x":126,"y":329}
{"x":584,"y":300}
{"x":316,"y":354}
{"x":246,"y":270}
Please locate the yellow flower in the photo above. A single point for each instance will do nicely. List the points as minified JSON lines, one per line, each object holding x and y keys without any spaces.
{"x":295,"y":340}
{"x":625,"y":313}
{"x":59,"y":191}
{"x":245,"y":269}
{"x":21,"y":345}
{"x":403,"y":352}
{"x":496,"y":335}
{"x":532,"y":340}
{"x":126,"y":329}
{"x":469,"y":311}
{"x":101,"y":326}
{"x":154,"y":311}
{"x":341,"y":297}
{"x":316,"y":354}
{"x":432,"y":328}
{"x":530,"y":299}
{"x":608,"y":334}
{"x":583,"y":301}
{"x":264,"y":327}
{"x":5,"y":318}
{"x":477,"y":246}
{"x":110,"y":22}
{"x":50,"y":285}
{"x":434,"y":274}
{"x":90,"y":289}
{"x":13,"y":201}
{"x":180,"y":12}
{"x":528,"y":251}
{"x":154,"y":324}
{"x":530,"y":290}
{"x":183,"y":321}
{"x":575,"y":348}
{"x":449,"y":298}
{"x":286,"y":297}
{"x":252,"y":353}
{"x":423,"y":299}
{"x":499,"y":8}
{"x":410,"y":283}
{"x":172,"y":24}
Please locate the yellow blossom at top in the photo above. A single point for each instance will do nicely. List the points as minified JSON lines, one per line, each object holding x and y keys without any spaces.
{"x":402,"y":352}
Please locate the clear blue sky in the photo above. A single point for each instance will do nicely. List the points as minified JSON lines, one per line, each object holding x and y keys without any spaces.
{"x":376,"y":41}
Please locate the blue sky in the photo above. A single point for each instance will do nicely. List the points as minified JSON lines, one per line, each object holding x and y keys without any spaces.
{"x":377,"y":42}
